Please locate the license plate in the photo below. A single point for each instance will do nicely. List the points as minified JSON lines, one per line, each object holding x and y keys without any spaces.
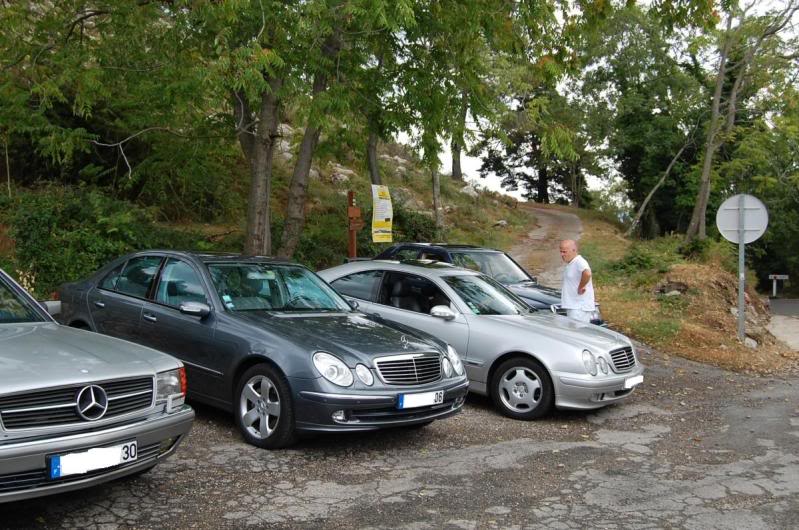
{"x":424,"y":399}
{"x":632,"y":381}
{"x":93,"y":459}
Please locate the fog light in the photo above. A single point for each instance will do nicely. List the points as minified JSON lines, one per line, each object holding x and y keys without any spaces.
{"x":340,"y":416}
{"x":166,"y":445}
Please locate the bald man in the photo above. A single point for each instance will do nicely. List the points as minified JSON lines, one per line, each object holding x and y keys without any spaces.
{"x":577,"y":291}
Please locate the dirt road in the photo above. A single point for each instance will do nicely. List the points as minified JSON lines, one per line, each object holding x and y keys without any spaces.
{"x":785,"y":321}
{"x":538,"y":252}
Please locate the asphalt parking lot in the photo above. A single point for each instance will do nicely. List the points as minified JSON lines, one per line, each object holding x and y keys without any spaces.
{"x":695,"y":447}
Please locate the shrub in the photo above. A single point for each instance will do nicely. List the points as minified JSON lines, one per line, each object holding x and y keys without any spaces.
{"x":64,"y":234}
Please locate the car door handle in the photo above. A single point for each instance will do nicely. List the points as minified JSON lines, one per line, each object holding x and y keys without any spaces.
{"x":149,"y":317}
{"x":99,"y":304}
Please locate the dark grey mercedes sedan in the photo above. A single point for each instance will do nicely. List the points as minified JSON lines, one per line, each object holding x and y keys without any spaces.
{"x":271,"y":342}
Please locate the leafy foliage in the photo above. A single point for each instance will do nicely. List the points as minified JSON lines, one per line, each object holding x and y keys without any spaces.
{"x":64,"y":234}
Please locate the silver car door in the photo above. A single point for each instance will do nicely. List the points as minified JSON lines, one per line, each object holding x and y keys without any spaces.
{"x":410,"y":302}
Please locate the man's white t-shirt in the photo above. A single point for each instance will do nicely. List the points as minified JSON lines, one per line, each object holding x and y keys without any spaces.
{"x":569,"y":299}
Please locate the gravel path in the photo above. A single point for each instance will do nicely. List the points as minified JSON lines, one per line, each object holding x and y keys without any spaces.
{"x":539,"y":251}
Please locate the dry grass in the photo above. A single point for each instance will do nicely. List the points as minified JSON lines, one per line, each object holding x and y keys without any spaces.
{"x":697,"y":324}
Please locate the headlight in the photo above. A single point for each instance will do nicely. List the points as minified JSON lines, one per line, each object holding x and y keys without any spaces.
{"x":589,"y":361}
{"x":170,"y":387}
{"x":332,"y":369}
{"x":455,"y":359}
{"x":603,"y":365}
{"x":447,"y":367}
{"x":364,"y":374}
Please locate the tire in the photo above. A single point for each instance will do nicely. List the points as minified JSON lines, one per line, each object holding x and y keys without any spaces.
{"x":521,"y":389}
{"x":268,"y":422}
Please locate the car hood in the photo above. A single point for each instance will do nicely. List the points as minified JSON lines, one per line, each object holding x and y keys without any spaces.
{"x":563,"y":329}
{"x":352,"y":336}
{"x":547,"y":295}
{"x":45,"y":355}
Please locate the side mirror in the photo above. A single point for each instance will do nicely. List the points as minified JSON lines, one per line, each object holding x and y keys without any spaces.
{"x":195,"y":309}
{"x":353,"y":303}
{"x":442,"y":312}
{"x":52,"y":306}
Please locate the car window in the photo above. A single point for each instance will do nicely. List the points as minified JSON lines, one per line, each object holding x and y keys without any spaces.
{"x":464,"y":260}
{"x":137,"y":277}
{"x":411,"y":293}
{"x":485,"y":296}
{"x":405,"y":254}
{"x":436,"y":256}
{"x":14,"y":308}
{"x":273,"y":287}
{"x":179,"y":283}
{"x":110,"y":280}
{"x":495,"y":264}
{"x":360,"y":285}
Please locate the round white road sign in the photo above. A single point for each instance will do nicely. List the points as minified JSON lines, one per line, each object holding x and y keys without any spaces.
{"x":729,"y":218}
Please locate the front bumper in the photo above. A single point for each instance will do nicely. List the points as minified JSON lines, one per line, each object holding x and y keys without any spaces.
{"x":368,"y":410}
{"x":584,"y":391}
{"x":23,"y":464}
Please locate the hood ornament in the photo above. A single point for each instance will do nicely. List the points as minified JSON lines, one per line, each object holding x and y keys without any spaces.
{"x":404,"y":342}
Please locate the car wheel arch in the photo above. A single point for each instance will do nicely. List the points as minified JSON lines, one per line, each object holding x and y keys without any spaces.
{"x":510,"y":355}
{"x":247,"y":363}
{"x":80,"y":324}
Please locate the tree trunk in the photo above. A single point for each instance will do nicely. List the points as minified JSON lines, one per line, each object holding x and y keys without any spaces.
{"x":298,"y":189}
{"x":258,"y":147}
{"x":457,"y":139}
{"x":457,"y":172}
{"x":654,"y":189}
{"x":697,"y":228}
{"x":575,"y":186}
{"x":437,"y":210}
{"x":371,"y":158}
{"x":542,"y":187}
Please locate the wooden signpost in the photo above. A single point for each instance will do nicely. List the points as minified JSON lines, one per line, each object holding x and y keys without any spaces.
{"x":355,"y":224}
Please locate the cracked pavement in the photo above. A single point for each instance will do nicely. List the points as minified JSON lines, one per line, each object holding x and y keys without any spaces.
{"x":695,"y":447}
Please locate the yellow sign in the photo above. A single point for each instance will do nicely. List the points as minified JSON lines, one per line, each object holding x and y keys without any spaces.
{"x":382,"y":214}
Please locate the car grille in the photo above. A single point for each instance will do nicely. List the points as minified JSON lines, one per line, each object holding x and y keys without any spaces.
{"x":53,"y":407}
{"x":39,"y":478}
{"x":623,"y":359}
{"x":411,"y":369}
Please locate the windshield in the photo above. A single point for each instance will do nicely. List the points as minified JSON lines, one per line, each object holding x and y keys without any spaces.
{"x":268,"y":287}
{"x":15,"y":308}
{"x":495,"y":264}
{"x":485,"y":296}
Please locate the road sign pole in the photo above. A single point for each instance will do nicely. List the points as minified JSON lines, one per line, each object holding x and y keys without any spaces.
{"x":741,"y":270}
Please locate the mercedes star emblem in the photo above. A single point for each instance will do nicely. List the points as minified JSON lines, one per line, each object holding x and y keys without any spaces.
{"x":92,"y":403}
{"x":404,"y":341}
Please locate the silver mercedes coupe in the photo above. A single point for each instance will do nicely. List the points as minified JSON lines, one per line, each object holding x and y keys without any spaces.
{"x":527,"y":360}
{"x":76,"y":408}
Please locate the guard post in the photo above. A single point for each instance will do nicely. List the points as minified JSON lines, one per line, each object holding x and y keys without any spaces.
{"x":774,"y":279}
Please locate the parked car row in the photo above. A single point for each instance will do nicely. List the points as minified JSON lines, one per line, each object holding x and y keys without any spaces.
{"x":384,"y":344}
